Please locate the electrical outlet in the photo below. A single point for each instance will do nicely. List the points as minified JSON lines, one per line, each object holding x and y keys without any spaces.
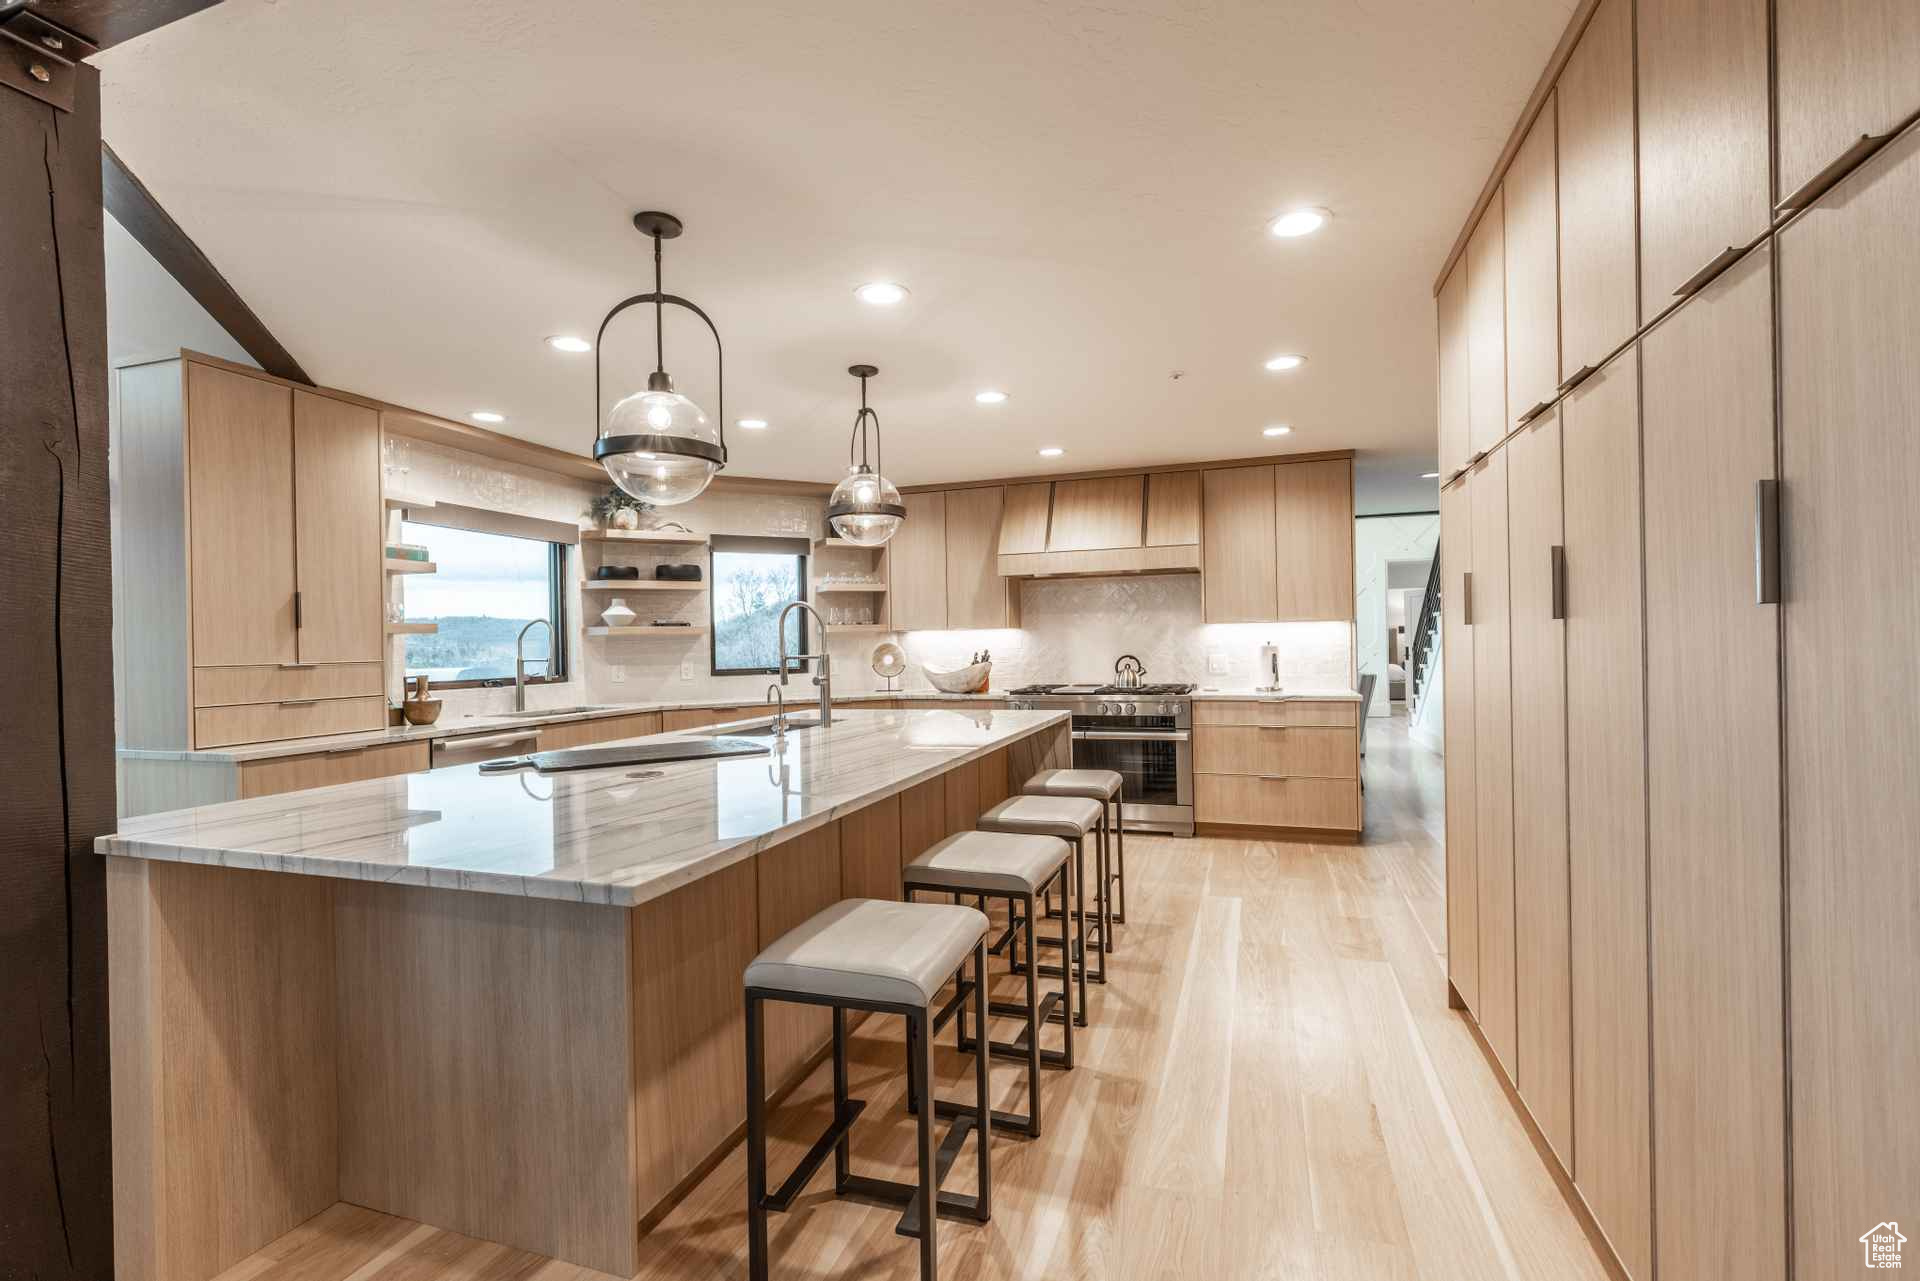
{"x":617,"y":674}
{"x":1216,"y":664}
{"x":686,"y":668}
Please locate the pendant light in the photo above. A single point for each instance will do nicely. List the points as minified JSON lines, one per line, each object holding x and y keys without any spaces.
{"x":657,"y":444}
{"x":865,"y":508}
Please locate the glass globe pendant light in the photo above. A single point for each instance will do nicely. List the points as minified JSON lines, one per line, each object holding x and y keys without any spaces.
{"x":865,"y":508}
{"x":658,"y":445}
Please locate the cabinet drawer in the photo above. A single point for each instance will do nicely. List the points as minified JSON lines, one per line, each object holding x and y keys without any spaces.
{"x":1332,"y":804}
{"x":324,"y":769}
{"x":266,"y":722}
{"x":1318,"y":751}
{"x":1277,"y":751}
{"x":1287,"y":712}
{"x":229,"y":686}
{"x":606,"y":729}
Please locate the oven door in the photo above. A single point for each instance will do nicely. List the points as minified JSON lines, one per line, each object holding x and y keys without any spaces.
{"x":1155,"y":767}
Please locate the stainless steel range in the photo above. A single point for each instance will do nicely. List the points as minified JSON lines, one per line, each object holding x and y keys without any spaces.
{"x":1145,"y":732}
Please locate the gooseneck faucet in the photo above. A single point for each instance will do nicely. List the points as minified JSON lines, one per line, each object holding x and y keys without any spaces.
{"x":520,"y":661}
{"x":825,"y":679}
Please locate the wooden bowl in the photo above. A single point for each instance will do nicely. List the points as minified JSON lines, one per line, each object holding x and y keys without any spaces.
{"x":420,"y":711}
{"x":970,"y":679}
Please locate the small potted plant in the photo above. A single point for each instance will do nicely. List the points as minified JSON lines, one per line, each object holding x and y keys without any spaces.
{"x":617,"y":509}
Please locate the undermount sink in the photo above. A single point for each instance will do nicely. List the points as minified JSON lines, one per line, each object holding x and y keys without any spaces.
{"x":533,"y":713}
{"x":753,"y":729}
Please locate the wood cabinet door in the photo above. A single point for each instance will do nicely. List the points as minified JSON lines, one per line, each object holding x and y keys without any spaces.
{"x":1487,"y":328}
{"x":1606,"y":807}
{"x":1849,"y":470}
{"x":1598,"y":271}
{"x":1845,"y":69}
{"x":1094,"y":515}
{"x":1313,"y":539}
{"x":1705,"y":180}
{"x":1533,"y":271}
{"x":1173,"y":509}
{"x":1023,"y":525}
{"x":976,"y":594}
{"x":1456,"y":652}
{"x":337,"y":529}
{"x":1543,"y":979}
{"x":917,"y":565}
{"x":240,"y":498}
{"x":1493,"y":758}
{"x":1240,"y":583}
{"x":1454,"y":374}
{"x":1713,"y":788}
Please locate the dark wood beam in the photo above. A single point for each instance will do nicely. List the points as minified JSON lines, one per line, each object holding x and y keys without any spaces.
{"x":134,"y":207}
{"x":56,"y":757}
{"x":110,"y":22}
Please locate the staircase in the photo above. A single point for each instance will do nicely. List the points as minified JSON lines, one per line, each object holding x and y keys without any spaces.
{"x":1425,"y":650}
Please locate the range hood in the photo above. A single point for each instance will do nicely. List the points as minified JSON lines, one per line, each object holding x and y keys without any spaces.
{"x":1103,"y":526}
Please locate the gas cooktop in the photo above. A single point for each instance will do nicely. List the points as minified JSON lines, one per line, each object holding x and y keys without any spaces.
{"x":1077,"y":691}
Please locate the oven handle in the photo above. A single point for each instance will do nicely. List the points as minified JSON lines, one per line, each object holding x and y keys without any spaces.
{"x":1134,"y":735}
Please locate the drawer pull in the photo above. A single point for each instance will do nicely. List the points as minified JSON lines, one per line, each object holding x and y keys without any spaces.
{"x":1557,"y":567}
{"x":1578,"y":376}
{"x":298,"y":667}
{"x":1702,"y":278}
{"x":1839,"y":167}
{"x":1466,"y":599}
{"x":1766,"y":542}
{"x":482,"y":744}
{"x":298,"y":702}
{"x":1533,"y":413}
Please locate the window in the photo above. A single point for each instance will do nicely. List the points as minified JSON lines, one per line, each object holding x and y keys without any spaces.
{"x":484,"y":589}
{"x":753,"y":580}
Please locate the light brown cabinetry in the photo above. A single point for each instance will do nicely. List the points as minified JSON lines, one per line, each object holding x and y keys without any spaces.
{"x":1606,"y":808}
{"x":1454,"y":375}
{"x":1845,"y":69}
{"x":1532,"y":272}
{"x":1456,"y":652}
{"x":1237,"y":546}
{"x":240,"y":484}
{"x":1313,"y":540}
{"x":1023,"y":525}
{"x":1092,"y":515}
{"x":1173,"y":509}
{"x":1849,"y":290}
{"x":1487,"y":329}
{"x":1598,"y":269}
{"x":1704,"y":163}
{"x":976,"y":594}
{"x":1713,"y":788}
{"x":1493,"y":758}
{"x":276,"y":774}
{"x":604,"y":729}
{"x":1289,"y":763}
{"x":917,"y":565}
{"x":336,"y":449}
{"x":1543,"y":991}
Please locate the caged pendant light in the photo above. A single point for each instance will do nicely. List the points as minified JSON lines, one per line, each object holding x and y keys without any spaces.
{"x":865,"y":508}
{"x":658,"y":445}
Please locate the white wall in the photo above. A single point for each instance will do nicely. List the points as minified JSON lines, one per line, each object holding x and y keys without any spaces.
{"x":149,"y":316}
{"x":1378,"y":540}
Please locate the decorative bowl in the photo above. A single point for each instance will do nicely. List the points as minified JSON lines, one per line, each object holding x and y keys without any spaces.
{"x":971,"y":679}
{"x":420,"y":711}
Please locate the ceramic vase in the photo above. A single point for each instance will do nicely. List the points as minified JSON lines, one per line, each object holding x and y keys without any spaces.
{"x":617,"y":614}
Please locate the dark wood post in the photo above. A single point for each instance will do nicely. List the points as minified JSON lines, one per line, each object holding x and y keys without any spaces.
{"x":56,"y":745}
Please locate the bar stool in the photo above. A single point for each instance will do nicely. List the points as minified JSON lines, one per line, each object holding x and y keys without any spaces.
{"x":893,"y":958}
{"x":1014,"y":867}
{"x":1109,"y":788}
{"x":1070,"y":818}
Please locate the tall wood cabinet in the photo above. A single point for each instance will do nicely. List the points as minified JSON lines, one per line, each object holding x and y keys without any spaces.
{"x":1456,"y":653}
{"x":976,"y":594}
{"x":1454,"y":372}
{"x":1846,"y":69}
{"x":1532,"y":272}
{"x":1487,"y":328}
{"x":1606,"y":807}
{"x":259,"y":504}
{"x":1594,"y":101}
{"x":1713,"y":788}
{"x":917,"y":565}
{"x":1849,"y":289}
{"x":1239,"y":532}
{"x":1543,"y":980}
{"x":1493,"y":756}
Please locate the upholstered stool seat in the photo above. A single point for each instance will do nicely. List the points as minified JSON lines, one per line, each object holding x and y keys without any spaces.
{"x":891,"y":958}
{"x":1067,"y":817}
{"x":1093,"y":784}
{"x":1015,"y":867}
{"x":1107,"y":787}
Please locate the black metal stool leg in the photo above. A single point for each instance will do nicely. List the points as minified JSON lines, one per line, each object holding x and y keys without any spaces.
{"x":983,"y":1089}
{"x":843,"y":1150}
{"x":929,"y":1190}
{"x":756,"y":1145}
{"x":1033,"y":1030}
{"x":1120,"y":855}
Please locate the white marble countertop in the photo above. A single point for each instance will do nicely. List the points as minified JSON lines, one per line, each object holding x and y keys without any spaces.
{"x":1285,"y":695}
{"x":617,"y":836}
{"x":494,"y":723}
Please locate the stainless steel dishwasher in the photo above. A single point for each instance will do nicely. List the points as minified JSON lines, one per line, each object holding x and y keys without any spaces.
{"x":488,"y":745}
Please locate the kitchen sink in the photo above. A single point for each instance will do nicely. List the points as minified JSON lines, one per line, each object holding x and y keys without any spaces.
{"x":754,"y":729}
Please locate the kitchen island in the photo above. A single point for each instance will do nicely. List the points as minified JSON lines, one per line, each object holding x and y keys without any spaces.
{"x":509,"y":1004}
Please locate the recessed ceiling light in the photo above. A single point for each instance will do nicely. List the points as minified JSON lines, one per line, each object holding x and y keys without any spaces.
{"x":487,"y":416}
{"x":1299,"y":222}
{"x":1281,"y":364}
{"x":567,"y":342}
{"x":1052,"y":451}
{"x":752,"y":424}
{"x":1429,"y":475}
{"x":990,"y":397}
{"x":1277,"y":430}
{"x":881,"y":293}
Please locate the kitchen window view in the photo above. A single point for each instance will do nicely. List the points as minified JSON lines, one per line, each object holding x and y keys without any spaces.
{"x":485,"y":588}
{"x":750,"y":588}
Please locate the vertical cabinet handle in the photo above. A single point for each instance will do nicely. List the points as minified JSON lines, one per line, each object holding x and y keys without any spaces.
{"x":296,"y":612}
{"x":1766,"y":542}
{"x":1557,"y":566}
{"x":1466,"y":598}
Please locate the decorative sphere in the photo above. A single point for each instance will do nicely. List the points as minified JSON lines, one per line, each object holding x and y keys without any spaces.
{"x":662,"y":476}
{"x":858,"y":508}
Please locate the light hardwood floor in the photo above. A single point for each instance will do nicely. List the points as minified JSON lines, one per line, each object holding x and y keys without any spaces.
{"x":1273,"y":1086}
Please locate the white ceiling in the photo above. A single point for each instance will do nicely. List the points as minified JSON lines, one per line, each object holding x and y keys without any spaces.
{"x":413,"y":195}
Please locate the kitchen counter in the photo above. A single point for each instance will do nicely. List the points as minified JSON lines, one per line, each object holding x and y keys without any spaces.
{"x":1282,"y":696}
{"x":618,"y":837}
